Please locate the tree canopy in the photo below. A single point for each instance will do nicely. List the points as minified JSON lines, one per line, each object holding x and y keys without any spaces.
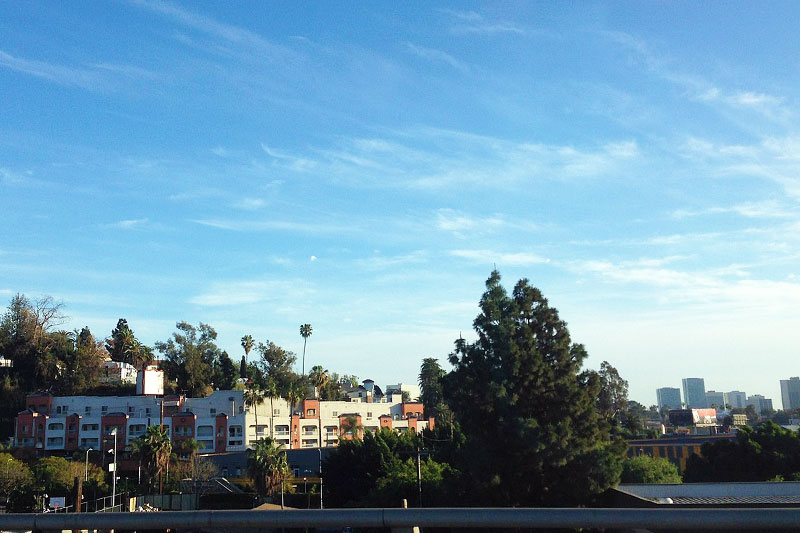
{"x":534,"y":435}
{"x":191,"y":356}
{"x":646,"y":469}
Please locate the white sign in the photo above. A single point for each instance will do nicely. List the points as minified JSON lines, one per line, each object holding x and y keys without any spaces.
{"x":111,"y":467}
{"x":58,"y":502}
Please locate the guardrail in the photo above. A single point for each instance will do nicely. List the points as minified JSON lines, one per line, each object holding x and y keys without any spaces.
{"x":706,"y":518}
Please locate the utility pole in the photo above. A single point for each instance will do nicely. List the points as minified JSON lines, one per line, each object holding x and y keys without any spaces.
{"x":419,"y":480}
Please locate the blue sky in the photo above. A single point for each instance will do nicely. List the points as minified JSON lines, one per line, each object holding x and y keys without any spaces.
{"x":363,"y":167}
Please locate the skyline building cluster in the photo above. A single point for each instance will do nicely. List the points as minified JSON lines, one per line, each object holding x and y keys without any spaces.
{"x":693,"y":395}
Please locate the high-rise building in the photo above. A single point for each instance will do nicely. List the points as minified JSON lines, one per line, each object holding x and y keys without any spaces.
{"x":669,"y":397}
{"x":737,"y":398}
{"x":694,"y":393}
{"x":760,"y":403}
{"x":790,"y":393}
{"x":717,"y":399}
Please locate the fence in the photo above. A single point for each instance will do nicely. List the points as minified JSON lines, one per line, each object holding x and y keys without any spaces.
{"x":686,"y":519}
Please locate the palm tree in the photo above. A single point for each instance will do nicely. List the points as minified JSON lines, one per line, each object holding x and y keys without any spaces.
{"x":350,"y":427}
{"x":319,"y":378}
{"x":305,"y":332}
{"x":267,"y":466}
{"x":253,"y":397}
{"x":191,"y":447}
{"x":294,"y":393}
{"x":155,"y":449}
{"x":247,"y":344}
{"x":271,"y":390}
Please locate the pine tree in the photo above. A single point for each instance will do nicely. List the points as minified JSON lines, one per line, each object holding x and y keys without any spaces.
{"x":527,"y":409}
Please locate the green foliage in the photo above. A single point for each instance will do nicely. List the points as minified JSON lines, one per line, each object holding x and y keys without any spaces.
{"x":377,"y":471}
{"x":534,"y":435}
{"x":191,"y":355}
{"x":224,"y":373}
{"x":267,"y":466}
{"x":15,"y":476}
{"x":276,"y":366}
{"x":154,"y":449}
{"x":123,"y":347}
{"x":56,"y":475}
{"x":646,"y":469}
{"x":760,"y":454}
{"x":612,"y":401}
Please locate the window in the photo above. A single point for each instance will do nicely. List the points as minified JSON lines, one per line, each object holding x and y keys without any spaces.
{"x":55,"y":427}
{"x":130,"y":409}
{"x":335,"y":413}
{"x":213,"y":411}
{"x":311,"y":412}
{"x":276,"y":412}
{"x":147,"y":411}
{"x":235,"y":431}
{"x":58,"y":409}
{"x":205,"y":431}
{"x":104,"y":409}
{"x":87,"y":410}
{"x":55,"y":441}
{"x":90,"y":427}
{"x":369,"y":414}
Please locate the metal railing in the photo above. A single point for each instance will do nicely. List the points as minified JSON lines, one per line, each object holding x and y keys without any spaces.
{"x":694,"y":519}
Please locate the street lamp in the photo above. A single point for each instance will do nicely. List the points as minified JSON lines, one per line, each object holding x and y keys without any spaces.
{"x":319,"y":450}
{"x":86,"y":470}
{"x":114,"y":477}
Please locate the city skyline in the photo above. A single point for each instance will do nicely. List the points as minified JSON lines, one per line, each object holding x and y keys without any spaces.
{"x":364,"y":168}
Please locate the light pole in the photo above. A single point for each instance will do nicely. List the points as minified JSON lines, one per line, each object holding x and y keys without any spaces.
{"x":86,"y":469}
{"x":320,"y":477}
{"x":114,"y":477}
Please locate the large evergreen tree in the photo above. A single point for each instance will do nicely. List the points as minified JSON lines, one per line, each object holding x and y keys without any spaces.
{"x":534,"y":436}
{"x":191,"y":356}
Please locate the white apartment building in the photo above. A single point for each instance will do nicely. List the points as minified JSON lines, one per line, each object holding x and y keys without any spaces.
{"x":220,"y":422}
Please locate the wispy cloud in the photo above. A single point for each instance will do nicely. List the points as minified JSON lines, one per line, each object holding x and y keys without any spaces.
{"x":230,"y":33}
{"x":60,"y":74}
{"x":272,"y":225}
{"x":501,"y":259}
{"x":226,"y":294}
{"x":699,"y":89}
{"x":766,"y":209}
{"x":129,"y":224}
{"x":99,"y":76}
{"x":289,"y":161}
{"x":437,"y":56}
{"x":472,"y":22}
{"x":774,"y":158}
{"x":429,"y":158}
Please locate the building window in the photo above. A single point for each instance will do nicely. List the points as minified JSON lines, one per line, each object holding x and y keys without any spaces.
{"x":311,"y":412}
{"x":235,"y":431}
{"x":87,"y":410}
{"x":104,"y":409}
{"x":130,"y":409}
{"x":147,"y":411}
{"x":369,"y":414}
{"x":276,"y":412}
{"x":335,"y":413}
{"x":213,"y":411}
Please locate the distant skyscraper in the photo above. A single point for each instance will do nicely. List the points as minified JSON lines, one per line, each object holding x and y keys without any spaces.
{"x":737,"y":398}
{"x":790,"y":393}
{"x":669,"y":397}
{"x":760,"y":403}
{"x":694,"y":393}
{"x":717,"y":399}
